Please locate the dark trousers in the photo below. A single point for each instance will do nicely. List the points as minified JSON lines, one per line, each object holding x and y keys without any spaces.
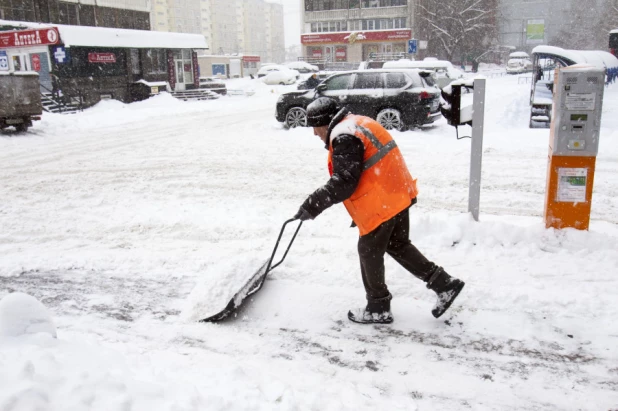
{"x":390,"y":237}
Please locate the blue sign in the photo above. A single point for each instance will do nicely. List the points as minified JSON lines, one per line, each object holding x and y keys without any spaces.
{"x":218,"y":69}
{"x":412,"y":46}
{"x":4,"y":61}
{"x":61,"y":55}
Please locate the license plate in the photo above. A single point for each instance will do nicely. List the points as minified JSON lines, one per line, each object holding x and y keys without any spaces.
{"x":14,"y":121}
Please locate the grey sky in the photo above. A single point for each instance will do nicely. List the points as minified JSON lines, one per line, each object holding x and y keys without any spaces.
{"x":291,"y":20}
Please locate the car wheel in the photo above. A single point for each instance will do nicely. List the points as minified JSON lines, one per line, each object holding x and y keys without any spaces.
{"x":21,"y":128}
{"x":390,"y":119}
{"x":282,"y":83}
{"x":296,"y":117}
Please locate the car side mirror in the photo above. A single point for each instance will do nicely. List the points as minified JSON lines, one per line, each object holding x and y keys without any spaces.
{"x":320,"y":88}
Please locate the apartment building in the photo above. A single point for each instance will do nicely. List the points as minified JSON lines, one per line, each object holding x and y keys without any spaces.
{"x":525,"y":24}
{"x":356,"y":30}
{"x":249,"y":27}
{"x":126,"y":14}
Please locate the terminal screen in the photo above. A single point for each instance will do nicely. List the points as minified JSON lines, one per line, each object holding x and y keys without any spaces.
{"x":579,"y":117}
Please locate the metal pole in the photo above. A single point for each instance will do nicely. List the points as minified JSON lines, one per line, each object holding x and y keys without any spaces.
{"x":476,"y":151}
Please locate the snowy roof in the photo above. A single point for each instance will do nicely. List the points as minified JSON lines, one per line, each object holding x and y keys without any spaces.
{"x":597,"y":58}
{"x":614,"y":31}
{"x":519,"y":54}
{"x":108,"y":37}
{"x":406,"y":63}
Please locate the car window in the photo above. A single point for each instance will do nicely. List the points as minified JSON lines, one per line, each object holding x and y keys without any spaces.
{"x":367,"y":80}
{"x":428,"y":81}
{"x":396,"y":80}
{"x":338,"y":82}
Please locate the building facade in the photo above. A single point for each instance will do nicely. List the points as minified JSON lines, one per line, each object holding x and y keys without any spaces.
{"x":126,"y":14}
{"x":87,"y":64}
{"x":565,"y":23}
{"x":238,"y":27}
{"x":356,"y":30}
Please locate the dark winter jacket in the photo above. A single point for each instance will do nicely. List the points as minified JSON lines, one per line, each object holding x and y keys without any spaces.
{"x":312,"y":82}
{"x":348,"y":151}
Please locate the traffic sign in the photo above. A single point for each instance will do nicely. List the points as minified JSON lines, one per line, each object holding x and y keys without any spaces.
{"x":412,"y":46}
{"x":4,"y":61}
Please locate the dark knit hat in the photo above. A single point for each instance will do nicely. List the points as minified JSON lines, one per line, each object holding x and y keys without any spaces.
{"x":321,"y":112}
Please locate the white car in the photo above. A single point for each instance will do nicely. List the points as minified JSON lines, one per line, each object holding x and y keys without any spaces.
{"x":519,"y":62}
{"x":302,"y":67}
{"x":444,"y":73}
{"x":283,"y":77}
{"x":265,"y":70}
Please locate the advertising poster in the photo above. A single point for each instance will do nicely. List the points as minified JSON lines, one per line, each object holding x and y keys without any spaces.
{"x":4,"y":61}
{"x":572,"y":185}
{"x":535,"y":31}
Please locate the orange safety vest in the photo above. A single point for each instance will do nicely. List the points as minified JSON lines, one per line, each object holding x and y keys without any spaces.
{"x":385,"y":187}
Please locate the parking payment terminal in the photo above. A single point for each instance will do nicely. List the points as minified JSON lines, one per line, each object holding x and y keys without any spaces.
{"x":573,"y":145}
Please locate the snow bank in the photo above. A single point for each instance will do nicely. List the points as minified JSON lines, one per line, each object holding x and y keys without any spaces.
{"x":23,"y":314}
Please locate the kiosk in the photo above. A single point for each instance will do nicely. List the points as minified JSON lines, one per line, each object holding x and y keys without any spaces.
{"x":573,"y":146}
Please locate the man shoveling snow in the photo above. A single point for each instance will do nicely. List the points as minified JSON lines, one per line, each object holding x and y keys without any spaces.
{"x":370,"y":176}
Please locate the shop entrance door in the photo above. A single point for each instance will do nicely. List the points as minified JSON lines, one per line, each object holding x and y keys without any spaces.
{"x":40,"y":63}
{"x":184,"y":69}
{"x":180,"y":76}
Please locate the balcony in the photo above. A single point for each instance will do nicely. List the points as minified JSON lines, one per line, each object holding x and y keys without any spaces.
{"x":355,"y":14}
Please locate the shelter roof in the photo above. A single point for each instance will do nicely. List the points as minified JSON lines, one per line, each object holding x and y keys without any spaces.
{"x":597,"y":58}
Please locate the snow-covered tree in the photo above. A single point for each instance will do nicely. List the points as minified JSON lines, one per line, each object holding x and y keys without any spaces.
{"x":462,"y":29}
{"x":588,"y":25}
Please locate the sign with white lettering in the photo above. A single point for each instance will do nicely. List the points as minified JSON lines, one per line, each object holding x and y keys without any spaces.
{"x":25,"y":38}
{"x":101,"y":58}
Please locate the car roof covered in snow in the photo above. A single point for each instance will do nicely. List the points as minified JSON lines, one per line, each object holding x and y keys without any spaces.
{"x":425,"y":64}
{"x":519,"y":54}
{"x":597,"y":58}
{"x":108,"y":37}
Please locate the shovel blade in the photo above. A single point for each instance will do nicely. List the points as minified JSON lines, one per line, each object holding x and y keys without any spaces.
{"x":250,"y":287}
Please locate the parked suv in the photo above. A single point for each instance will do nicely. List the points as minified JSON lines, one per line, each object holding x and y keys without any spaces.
{"x":397,"y":99}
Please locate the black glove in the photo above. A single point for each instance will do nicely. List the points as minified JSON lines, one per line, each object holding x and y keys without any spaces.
{"x":303,"y":215}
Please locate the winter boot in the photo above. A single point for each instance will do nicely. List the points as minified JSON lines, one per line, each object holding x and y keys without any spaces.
{"x":374,"y":313}
{"x":447,"y":288}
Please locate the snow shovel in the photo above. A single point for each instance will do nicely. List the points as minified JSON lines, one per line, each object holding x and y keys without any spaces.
{"x":256,"y":281}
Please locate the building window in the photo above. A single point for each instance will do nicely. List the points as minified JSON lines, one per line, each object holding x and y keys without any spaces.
{"x":376,"y":24}
{"x":67,"y":13}
{"x":370,"y":3}
{"x":156,"y":60}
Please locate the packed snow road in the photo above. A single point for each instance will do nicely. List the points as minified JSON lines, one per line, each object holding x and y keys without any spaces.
{"x":113,"y":218}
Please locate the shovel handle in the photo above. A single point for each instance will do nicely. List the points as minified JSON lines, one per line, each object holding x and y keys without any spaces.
{"x":273,"y":266}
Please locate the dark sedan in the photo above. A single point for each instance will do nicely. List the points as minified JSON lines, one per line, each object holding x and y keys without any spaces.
{"x":397,"y":99}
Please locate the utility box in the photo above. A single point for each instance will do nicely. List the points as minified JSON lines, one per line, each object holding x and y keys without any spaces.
{"x":573,"y":145}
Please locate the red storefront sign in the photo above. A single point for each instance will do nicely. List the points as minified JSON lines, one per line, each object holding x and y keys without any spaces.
{"x":251,"y":59}
{"x":36,"y":62}
{"x":345,"y":37}
{"x":196,"y":73}
{"x":341,"y":54}
{"x":101,"y":58}
{"x":316,"y":53}
{"x":25,"y":38}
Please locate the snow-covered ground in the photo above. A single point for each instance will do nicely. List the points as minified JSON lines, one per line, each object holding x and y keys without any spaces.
{"x":117,"y":219}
